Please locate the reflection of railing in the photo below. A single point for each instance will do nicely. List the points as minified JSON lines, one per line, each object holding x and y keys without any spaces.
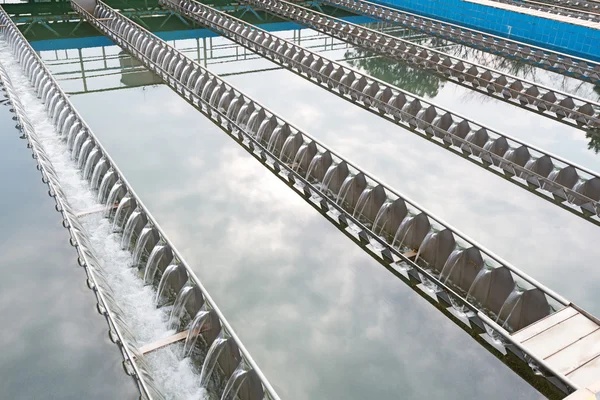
{"x":579,"y":68}
{"x":531,"y":96}
{"x":486,"y":148}
{"x":348,"y":196}
{"x":204,"y":50}
{"x":134,"y":74}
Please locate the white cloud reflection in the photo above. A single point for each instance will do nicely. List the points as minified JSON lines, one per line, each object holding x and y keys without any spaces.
{"x":321,"y":318}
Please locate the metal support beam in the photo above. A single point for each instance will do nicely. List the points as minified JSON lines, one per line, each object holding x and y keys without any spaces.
{"x":585,"y":70}
{"x":277,"y":144}
{"x":479,"y":144}
{"x":583,"y":14}
{"x":529,"y":95}
{"x":69,"y":124}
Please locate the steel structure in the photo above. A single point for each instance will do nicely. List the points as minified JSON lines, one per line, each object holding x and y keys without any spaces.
{"x":585,"y":5}
{"x":591,"y":14}
{"x":134,"y":75}
{"x":529,"y":95}
{"x":348,"y":196}
{"x":548,"y":176}
{"x":70,"y":124}
{"x":585,"y":70}
{"x":119,"y":332}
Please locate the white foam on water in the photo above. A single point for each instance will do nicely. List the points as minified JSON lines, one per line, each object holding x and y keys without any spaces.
{"x":176,"y":378}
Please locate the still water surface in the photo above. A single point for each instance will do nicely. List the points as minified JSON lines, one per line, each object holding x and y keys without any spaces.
{"x":321,"y":318}
{"x":54,"y":345}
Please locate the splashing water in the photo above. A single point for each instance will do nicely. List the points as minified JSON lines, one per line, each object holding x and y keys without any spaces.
{"x":211,"y":360}
{"x":179,"y":307}
{"x":273,"y":140}
{"x":118,"y":221}
{"x":300,"y":156}
{"x":460,"y":308}
{"x":406,"y":225}
{"x":176,"y":380}
{"x":362,"y":202}
{"x":548,"y":186}
{"x":576,"y":188}
{"x":128,"y":230}
{"x":73,"y":132}
{"x":162,"y":286}
{"x":95,"y":182}
{"x":103,"y":191}
{"x":344,"y":189}
{"x":112,"y":198}
{"x":284,"y":150}
{"x":152,"y":264}
{"x":450,"y":264}
{"x":235,"y":382}
{"x":480,"y":275}
{"x":82,"y":158}
{"x":511,"y":297}
{"x":89,"y":162}
{"x":140,"y":246}
{"x":528,"y":166}
{"x":427,"y":244}
{"x":194,"y":331}
{"x":77,"y":144}
{"x":382,"y":213}
{"x":328,"y":177}
{"x":312,"y":166}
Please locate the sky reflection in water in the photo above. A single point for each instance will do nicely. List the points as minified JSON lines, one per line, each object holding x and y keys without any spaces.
{"x":321,"y":318}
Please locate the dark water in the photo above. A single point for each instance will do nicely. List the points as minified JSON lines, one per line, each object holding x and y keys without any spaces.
{"x":320,"y":317}
{"x":53,"y":343}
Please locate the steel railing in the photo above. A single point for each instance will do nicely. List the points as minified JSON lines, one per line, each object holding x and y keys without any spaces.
{"x":426,"y":119}
{"x":551,"y":103}
{"x":230,"y":109}
{"x":580,"y":68}
{"x":41,"y":79}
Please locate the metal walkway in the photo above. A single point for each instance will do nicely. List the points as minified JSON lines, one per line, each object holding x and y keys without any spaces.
{"x":569,"y":342}
{"x":442,"y":262}
{"x":104,"y":176}
{"x":550,"y":177}
{"x":585,"y":70}
{"x":542,"y":100}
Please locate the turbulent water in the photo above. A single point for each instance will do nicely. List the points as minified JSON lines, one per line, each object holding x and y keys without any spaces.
{"x":176,"y":378}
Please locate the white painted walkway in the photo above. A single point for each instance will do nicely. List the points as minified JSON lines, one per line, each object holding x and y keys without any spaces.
{"x":569,"y":342}
{"x":537,"y":13}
